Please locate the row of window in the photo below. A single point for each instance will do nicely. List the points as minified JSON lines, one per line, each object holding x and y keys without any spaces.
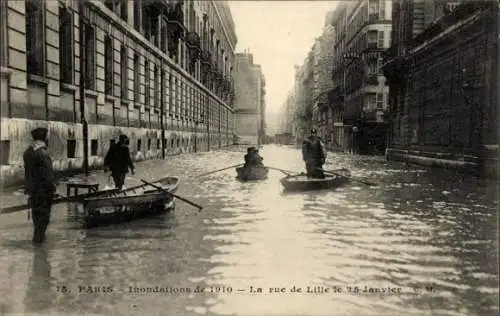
{"x":368,"y":12}
{"x":71,"y":146}
{"x":154,"y":28}
{"x":36,"y":56}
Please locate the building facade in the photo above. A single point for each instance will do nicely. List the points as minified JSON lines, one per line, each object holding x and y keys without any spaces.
{"x":360,"y":93}
{"x":249,"y":103}
{"x":160,"y":71}
{"x":443,"y":76}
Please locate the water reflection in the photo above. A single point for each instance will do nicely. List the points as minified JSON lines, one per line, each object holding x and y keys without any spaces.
{"x":40,"y":290}
{"x":418,"y":229}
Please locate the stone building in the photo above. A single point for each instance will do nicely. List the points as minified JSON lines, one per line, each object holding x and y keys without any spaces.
{"x":249,"y":104}
{"x":443,"y":77}
{"x":363,"y":29}
{"x":160,"y":71}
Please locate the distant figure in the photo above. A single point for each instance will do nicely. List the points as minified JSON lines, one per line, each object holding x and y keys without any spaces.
{"x":314,"y":155}
{"x":252,"y":158}
{"x":118,"y":160}
{"x":40,"y":182}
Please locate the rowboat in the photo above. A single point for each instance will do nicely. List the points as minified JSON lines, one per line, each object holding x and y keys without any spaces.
{"x":129,"y":204}
{"x":252,"y":173}
{"x":301,"y":182}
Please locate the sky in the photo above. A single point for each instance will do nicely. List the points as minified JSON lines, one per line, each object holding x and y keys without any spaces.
{"x":279,"y":34}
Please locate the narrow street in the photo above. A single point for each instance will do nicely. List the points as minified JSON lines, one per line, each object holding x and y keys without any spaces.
{"x":429,"y":236}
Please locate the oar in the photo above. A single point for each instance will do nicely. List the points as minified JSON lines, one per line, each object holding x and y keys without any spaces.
{"x":287,"y":172}
{"x":350,"y":178}
{"x":206,"y":174}
{"x":57,"y":200}
{"x":175,"y":195}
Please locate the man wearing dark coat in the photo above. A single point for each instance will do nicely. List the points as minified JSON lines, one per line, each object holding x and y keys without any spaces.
{"x":252,"y":158}
{"x":118,"y":160}
{"x":314,"y":155}
{"x":40,"y":182}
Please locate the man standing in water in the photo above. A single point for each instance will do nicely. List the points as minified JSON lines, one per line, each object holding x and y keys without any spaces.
{"x":39,"y":182}
{"x":118,"y":160}
{"x":314,"y":155}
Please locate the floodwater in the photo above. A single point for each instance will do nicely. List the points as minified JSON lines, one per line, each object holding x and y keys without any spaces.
{"x":423,"y":242}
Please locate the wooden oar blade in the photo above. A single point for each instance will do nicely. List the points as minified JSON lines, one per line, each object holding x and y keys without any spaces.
{"x":351,"y":178}
{"x":57,"y":200}
{"x":207,"y":173}
{"x":175,"y":195}
{"x":287,"y":172}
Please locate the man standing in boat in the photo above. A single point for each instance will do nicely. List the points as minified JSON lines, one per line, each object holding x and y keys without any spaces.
{"x":118,"y":160}
{"x":314,"y":155}
{"x":40,"y":182}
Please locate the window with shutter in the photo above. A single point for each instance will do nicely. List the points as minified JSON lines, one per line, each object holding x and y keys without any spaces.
{"x":380,"y":100}
{"x":89,"y":56}
{"x":372,"y":38}
{"x":147,"y":83}
{"x":124,"y":72}
{"x":3,"y":34}
{"x":65,"y":46}
{"x":108,"y":65}
{"x":35,"y":39}
{"x":381,"y":39}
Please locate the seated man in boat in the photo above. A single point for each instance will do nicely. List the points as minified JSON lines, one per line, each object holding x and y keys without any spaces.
{"x":314,"y":155}
{"x":248,"y":157}
{"x":118,"y":160}
{"x":252,"y":158}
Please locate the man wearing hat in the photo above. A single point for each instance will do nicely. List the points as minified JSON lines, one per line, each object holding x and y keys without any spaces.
{"x":314,"y":155}
{"x":40,"y":182}
{"x":118,"y":160}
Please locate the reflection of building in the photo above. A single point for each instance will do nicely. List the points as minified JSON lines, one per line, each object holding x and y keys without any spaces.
{"x":443,"y":82}
{"x":150,"y":67}
{"x":249,"y":107}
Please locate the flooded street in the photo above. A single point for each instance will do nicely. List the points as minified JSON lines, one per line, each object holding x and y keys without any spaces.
{"x":425,"y":240}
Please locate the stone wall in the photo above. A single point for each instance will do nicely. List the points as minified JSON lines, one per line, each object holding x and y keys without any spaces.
{"x":63,"y":137}
{"x":445,"y":111}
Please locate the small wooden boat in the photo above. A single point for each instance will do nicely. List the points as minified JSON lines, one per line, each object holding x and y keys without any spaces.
{"x":129,"y":204}
{"x":301,"y":182}
{"x":252,"y":173}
